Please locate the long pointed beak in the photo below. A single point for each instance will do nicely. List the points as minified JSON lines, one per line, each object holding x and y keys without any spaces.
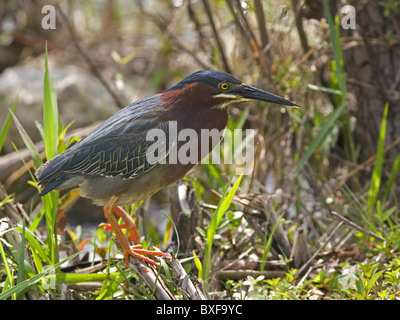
{"x":252,"y":93}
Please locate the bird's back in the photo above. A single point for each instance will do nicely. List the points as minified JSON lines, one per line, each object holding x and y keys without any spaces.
{"x":117,"y":147}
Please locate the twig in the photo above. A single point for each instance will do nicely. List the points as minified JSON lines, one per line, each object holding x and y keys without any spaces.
{"x":335,"y":215}
{"x":371,"y":60}
{"x":300,"y":271}
{"x":248,"y":34}
{"x":261,"y":22}
{"x":300,"y":29}
{"x":366,"y":163}
{"x":241,"y":256}
{"x":149,"y":276}
{"x":379,"y":32}
{"x":10,"y":209}
{"x":190,"y":290}
{"x":193,"y":17}
{"x":88,"y":60}
{"x":217,"y":38}
{"x":166,"y":31}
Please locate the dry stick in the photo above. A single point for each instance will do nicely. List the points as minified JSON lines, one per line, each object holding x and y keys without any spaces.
{"x":190,"y":290}
{"x":300,"y":271}
{"x":88,"y":60}
{"x":166,"y":31}
{"x":244,"y":32}
{"x":261,"y":22}
{"x":241,"y":256}
{"x":259,"y":9}
{"x":193,"y":17}
{"x":396,"y":27}
{"x":149,"y":275}
{"x":374,"y":67}
{"x":366,"y":163}
{"x":381,"y":35}
{"x":245,"y":29}
{"x":217,"y":38}
{"x":299,"y":25}
{"x":10,"y":210}
{"x":169,"y":35}
{"x":183,"y":48}
{"x":353,"y":225}
{"x":254,"y":41}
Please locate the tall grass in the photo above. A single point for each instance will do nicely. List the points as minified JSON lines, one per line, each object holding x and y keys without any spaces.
{"x":51,"y":134}
{"x":377,"y":172}
{"x":223,"y":206}
{"x":339,"y":90}
{"x":44,"y":256}
{"x":6,"y":124}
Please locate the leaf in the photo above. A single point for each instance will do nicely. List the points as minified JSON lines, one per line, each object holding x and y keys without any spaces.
{"x":29,"y":283}
{"x":50,"y":114}
{"x":28,"y":142}
{"x":324,"y":89}
{"x":198,"y":264}
{"x":268,"y":244}
{"x":7,"y":122}
{"x":223,"y":206}
{"x":373,"y":279}
{"x":325,"y":129}
{"x":376,"y":173}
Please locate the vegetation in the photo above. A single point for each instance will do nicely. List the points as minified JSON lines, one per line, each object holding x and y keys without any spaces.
{"x":309,"y":190}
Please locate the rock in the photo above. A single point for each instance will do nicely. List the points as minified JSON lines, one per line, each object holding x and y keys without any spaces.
{"x":81,"y":98}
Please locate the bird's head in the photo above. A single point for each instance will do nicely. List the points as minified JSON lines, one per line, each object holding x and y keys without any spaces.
{"x":218,"y":89}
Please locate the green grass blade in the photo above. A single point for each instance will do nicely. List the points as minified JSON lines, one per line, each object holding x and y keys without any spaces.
{"x":324,"y":89}
{"x":50,"y":125}
{"x":325,"y":129}
{"x":21,"y":269}
{"x":339,"y":90}
{"x":50,"y":202}
{"x":392,"y":179}
{"x":29,"y":283}
{"x":198,"y":265}
{"x":27,"y":141}
{"x":85,"y":277}
{"x":7,"y":122}
{"x":50,"y":114}
{"x":8,"y":283}
{"x":268,"y":244}
{"x":223,"y":206}
{"x":377,"y":172}
{"x":36,"y":245}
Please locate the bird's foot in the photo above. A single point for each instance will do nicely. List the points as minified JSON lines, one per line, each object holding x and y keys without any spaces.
{"x":137,"y":251}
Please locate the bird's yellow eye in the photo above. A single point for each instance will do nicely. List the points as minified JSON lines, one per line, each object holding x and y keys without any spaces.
{"x":224,"y":86}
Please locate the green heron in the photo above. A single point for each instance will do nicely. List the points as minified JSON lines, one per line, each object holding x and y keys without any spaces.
{"x":110,"y":165}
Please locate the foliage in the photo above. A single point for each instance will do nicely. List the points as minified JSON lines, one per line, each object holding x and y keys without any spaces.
{"x":296,"y":174}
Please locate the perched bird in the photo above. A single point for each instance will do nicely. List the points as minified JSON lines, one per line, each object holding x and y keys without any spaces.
{"x":112,"y":166}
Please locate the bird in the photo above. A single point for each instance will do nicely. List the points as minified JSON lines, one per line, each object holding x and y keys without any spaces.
{"x":111,"y":165}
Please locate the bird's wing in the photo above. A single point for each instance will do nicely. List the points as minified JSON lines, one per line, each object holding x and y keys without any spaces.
{"x":127,"y":155}
{"x":117,"y":147}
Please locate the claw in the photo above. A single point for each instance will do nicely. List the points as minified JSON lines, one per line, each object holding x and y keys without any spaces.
{"x":105,"y":226}
{"x":137,"y":252}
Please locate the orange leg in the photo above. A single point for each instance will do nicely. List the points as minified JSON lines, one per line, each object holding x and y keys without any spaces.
{"x":129,"y":224}
{"x":136,"y":250}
